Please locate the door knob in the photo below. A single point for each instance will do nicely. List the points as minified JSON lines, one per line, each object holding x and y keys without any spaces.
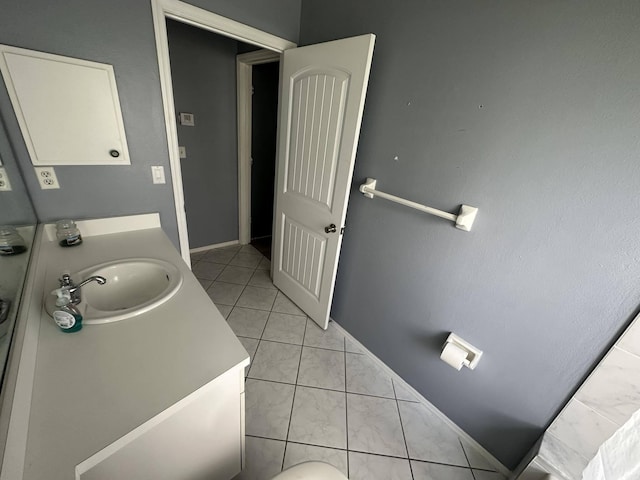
{"x":330,"y":229}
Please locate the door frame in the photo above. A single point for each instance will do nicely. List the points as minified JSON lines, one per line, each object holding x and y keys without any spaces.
{"x":206,"y":20}
{"x":244,"y":78}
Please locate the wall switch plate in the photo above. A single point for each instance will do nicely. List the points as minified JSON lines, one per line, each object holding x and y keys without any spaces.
{"x":5,"y":185}
{"x":157,"y":173}
{"x":183,"y":152}
{"x":187,"y":119}
{"x":47,"y":178}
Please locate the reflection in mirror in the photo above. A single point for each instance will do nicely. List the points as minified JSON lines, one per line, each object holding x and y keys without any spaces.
{"x":17,"y":229}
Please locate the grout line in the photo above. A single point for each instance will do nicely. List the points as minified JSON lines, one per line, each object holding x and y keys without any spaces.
{"x":369,"y":395}
{"x":346,"y":403}
{"x":447,"y":465}
{"x":324,"y":388}
{"x":301,"y":350}
{"x":293,"y":399}
{"x":284,"y":454}
{"x":465,"y":454}
{"x":252,"y":308}
{"x":404,"y":437}
{"x":266,"y":438}
{"x":363,"y":452}
{"x":290,"y":343}
{"x":300,"y":344}
{"x":261,"y":334}
{"x":314,"y":445}
{"x":470,"y":466}
{"x":295,"y":388}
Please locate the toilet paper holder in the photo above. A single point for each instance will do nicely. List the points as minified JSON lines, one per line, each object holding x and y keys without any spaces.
{"x":473,"y":354}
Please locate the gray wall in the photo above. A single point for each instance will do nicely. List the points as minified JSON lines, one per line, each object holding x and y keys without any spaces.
{"x":203,"y":71}
{"x":15,"y":205}
{"x":531,"y":112}
{"x":118,"y":32}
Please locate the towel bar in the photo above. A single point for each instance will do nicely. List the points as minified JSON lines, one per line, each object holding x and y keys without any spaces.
{"x":463,"y":220}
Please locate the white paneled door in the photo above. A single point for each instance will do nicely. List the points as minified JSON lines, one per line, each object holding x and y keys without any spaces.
{"x":322,"y":99}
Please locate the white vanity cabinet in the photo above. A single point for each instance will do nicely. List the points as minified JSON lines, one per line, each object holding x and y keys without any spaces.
{"x":157,"y":396}
{"x":201,"y":437}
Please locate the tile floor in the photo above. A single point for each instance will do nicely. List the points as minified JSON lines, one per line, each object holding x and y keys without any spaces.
{"x":315,"y":395}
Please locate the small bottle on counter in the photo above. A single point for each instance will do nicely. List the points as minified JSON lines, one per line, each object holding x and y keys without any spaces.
{"x":11,"y":243}
{"x":66,"y":315}
{"x":67,"y":233}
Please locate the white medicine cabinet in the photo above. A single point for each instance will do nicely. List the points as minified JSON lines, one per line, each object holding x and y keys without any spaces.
{"x":68,"y":109}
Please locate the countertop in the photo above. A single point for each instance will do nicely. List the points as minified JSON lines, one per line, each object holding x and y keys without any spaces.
{"x":94,"y":386}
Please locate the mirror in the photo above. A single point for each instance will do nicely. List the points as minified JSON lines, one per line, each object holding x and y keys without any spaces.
{"x":15,"y":211}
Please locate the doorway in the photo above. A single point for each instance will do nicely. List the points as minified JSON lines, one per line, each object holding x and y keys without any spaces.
{"x":264,"y":125}
{"x":325,"y":85}
{"x":258,"y":85}
{"x":205,"y":20}
{"x":208,"y":74}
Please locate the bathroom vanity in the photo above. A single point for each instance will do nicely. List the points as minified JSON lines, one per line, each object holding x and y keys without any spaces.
{"x":156,"y":395}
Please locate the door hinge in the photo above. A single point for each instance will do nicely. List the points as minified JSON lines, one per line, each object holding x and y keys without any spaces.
{"x":342,"y":230}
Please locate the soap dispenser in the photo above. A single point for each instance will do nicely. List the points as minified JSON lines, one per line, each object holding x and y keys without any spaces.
{"x":66,"y":315}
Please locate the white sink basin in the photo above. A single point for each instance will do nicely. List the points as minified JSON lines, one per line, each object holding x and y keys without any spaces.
{"x":134,"y":286}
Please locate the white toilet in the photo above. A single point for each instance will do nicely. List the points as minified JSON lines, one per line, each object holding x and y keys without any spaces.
{"x":311,"y":471}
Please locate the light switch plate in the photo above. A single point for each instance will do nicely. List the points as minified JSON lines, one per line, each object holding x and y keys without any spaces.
{"x":157,"y":173}
{"x":183,"y":152}
{"x":47,"y":178}
{"x":5,"y":185}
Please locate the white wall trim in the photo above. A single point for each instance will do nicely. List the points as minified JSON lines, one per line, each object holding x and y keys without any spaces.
{"x":213,"y":22}
{"x":166,"y":86}
{"x":214,"y":246}
{"x":183,"y":12}
{"x":244,"y":79}
{"x":399,"y":380}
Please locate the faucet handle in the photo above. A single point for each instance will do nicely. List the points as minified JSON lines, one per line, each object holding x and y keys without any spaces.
{"x":66,"y":281}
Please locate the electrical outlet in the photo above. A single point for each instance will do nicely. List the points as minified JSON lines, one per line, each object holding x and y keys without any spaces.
{"x":47,"y":178}
{"x":5,"y":185}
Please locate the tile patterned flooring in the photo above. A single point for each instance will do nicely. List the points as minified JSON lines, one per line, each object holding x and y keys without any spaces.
{"x":315,"y":395}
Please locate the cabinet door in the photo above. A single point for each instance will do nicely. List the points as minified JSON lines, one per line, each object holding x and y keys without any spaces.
{"x":198,"y":438}
{"x":68,"y":109}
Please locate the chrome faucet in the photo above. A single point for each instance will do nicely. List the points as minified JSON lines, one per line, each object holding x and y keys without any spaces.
{"x":74,"y":290}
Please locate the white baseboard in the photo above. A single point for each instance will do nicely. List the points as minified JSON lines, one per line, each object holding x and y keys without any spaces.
{"x":215,"y":245}
{"x":398,"y":379}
